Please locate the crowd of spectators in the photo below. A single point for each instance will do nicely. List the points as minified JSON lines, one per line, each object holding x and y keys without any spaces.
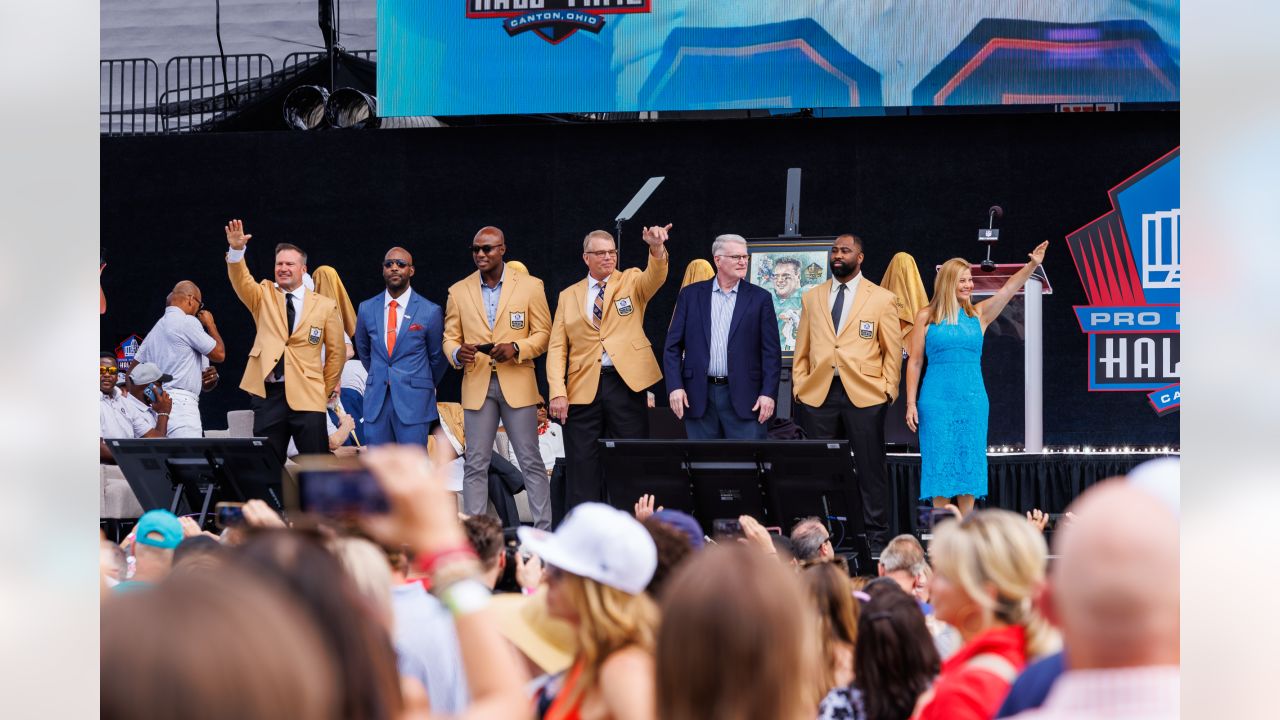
{"x":423,"y":613}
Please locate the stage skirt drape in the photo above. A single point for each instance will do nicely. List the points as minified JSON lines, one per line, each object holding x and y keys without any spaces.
{"x":1015,"y":481}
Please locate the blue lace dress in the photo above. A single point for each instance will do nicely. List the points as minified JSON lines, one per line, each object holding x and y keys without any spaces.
{"x":953,"y":412}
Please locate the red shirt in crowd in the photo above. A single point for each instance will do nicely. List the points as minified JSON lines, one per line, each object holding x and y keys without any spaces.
{"x":973,"y":682}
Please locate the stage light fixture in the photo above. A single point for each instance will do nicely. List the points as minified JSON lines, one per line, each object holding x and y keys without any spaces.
{"x":349,"y":108}
{"x":304,"y":107}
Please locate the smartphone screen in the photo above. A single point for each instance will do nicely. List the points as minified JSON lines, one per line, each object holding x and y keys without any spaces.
{"x":937,"y":516}
{"x":340,"y":492}
{"x":726,"y":528}
{"x":229,"y":515}
{"x":484,"y":349}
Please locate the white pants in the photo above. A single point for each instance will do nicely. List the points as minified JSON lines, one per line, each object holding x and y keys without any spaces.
{"x":184,"y":418}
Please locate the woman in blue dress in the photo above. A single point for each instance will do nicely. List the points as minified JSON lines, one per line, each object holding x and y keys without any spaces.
{"x":952,"y":413}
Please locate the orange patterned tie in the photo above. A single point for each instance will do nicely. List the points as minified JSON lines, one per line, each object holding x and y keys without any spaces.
{"x":391,"y":327}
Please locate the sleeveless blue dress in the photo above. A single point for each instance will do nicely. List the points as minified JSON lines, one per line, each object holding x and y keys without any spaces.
{"x":953,"y":412}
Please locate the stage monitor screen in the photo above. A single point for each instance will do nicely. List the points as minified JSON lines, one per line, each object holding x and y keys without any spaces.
{"x":494,"y":57}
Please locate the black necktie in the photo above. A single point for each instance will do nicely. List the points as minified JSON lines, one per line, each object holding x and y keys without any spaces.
{"x":838,"y":308}
{"x":289,"y":315}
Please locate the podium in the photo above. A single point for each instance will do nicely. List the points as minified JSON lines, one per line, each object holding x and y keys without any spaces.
{"x":986,"y":284}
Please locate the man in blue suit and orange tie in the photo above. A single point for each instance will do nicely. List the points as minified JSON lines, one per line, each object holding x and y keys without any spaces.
{"x":399,"y":336}
{"x":722,"y":323}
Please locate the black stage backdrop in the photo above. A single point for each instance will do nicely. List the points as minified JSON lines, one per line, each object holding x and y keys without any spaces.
{"x":915,"y":184}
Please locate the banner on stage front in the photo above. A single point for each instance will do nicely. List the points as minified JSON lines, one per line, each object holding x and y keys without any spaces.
{"x":1130,"y":263}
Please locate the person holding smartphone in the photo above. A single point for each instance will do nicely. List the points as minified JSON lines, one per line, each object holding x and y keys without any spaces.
{"x":180,"y":344}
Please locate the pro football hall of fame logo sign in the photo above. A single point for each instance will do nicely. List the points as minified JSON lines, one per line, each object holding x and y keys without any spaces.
{"x":1130,"y":263}
{"x":553,"y":20}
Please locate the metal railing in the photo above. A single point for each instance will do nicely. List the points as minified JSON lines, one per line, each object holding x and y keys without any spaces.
{"x":296,"y":61}
{"x":194,"y":91}
{"x":129,"y":91}
{"x":203,"y":88}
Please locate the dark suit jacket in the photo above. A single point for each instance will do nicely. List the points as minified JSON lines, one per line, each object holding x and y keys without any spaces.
{"x":408,"y":378}
{"x":754,"y":353}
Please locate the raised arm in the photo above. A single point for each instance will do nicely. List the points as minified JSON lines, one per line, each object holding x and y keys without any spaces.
{"x":241,"y":281}
{"x":424,"y":517}
{"x":990,"y":309}
{"x":655,"y":269}
{"x":915,"y":363}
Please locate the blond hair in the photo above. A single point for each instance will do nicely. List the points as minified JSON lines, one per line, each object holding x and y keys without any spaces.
{"x":945,"y":308}
{"x":609,"y":620}
{"x":997,"y":550}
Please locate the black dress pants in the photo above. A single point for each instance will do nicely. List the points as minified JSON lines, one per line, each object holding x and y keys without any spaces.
{"x":505,"y":482}
{"x":838,"y":417}
{"x":616,"y":412}
{"x":274,"y":420}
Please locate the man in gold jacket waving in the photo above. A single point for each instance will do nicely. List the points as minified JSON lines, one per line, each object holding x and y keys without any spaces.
{"x":600,"y":362}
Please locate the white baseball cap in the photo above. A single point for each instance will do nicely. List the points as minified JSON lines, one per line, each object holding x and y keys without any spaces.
{"x":598,"y":542}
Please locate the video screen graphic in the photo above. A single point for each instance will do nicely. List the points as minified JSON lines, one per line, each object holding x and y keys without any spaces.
{"x":493,"y":57}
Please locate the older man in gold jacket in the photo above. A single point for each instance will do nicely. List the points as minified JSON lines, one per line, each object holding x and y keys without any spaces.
{"x":600,"y":362}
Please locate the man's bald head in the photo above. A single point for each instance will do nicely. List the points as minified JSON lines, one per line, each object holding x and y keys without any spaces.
{"x":398,"y":252}
{"x":1114,"y":588}
{"x":491,"y":232}
{"x":186,"y":296}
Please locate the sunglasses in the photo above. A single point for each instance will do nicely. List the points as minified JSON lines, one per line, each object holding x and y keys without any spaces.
{"x":108,"y":370}
{"x":397,"y":263}
{"x":484,"y":249}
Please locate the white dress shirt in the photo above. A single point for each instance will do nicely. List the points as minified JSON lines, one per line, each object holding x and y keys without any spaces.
{"x":401,"y":303}
{"x":551,"y":445}
{"x":593,"y":286}
{"x":354,"y":376}
{"x":177,"y":345}
{"x":852,"y":285}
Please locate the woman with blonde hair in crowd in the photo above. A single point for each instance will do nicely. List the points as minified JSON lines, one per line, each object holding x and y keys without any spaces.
{"x":598,"y":563}
{"x":986,"y":570}
{"x":838,"y":611}
{"x":738,"y":641}
{"x":953,"y":407}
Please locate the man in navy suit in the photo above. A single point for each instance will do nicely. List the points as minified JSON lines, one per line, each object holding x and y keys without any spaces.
{"x":399,"y":336}
{"x":722,"y":358}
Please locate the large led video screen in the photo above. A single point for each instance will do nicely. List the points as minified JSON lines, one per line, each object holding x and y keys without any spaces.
{"x":493,"y":57}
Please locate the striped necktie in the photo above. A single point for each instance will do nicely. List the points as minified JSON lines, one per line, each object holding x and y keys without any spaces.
{"x":598,"y":313}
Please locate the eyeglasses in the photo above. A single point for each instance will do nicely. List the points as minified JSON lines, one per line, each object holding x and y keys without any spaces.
{"x":602,"y":254}
{"x":737,"y":258}
{"x":397,"y":263}
{"x":104,"y":370}
{"x":484,"y":249}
